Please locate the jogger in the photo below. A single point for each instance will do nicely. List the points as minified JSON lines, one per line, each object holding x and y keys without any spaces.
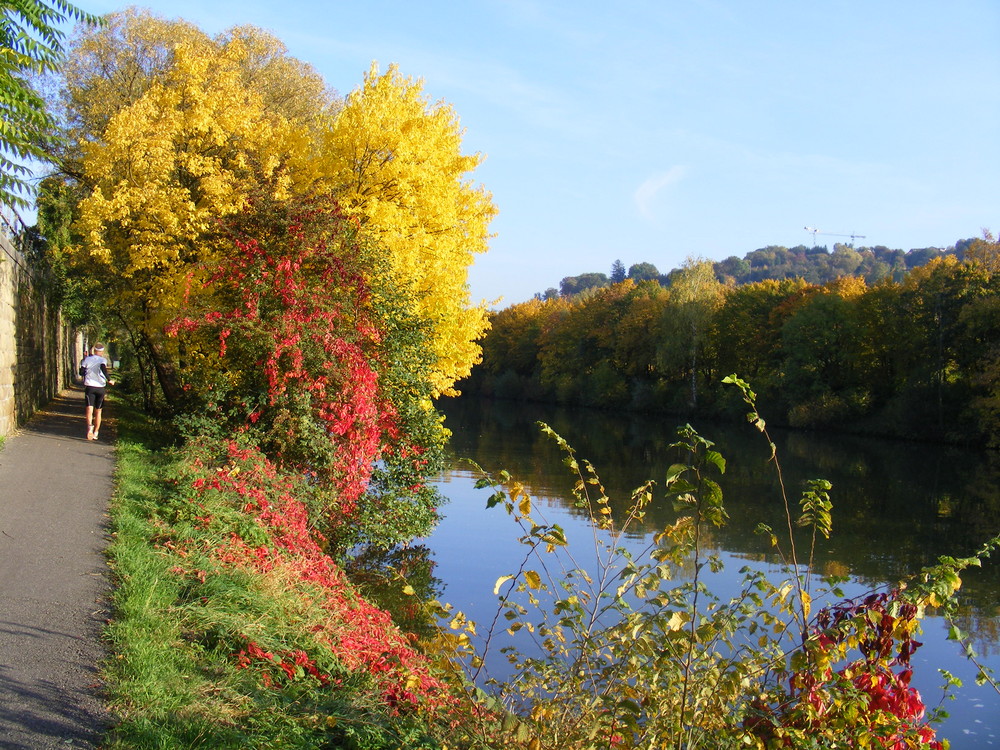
{"x":94,"y":370}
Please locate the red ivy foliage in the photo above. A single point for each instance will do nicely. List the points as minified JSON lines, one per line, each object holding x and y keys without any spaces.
{"x":877,"y":685}
{"x":292,"y":664}
{"x":293,"y":328}
{"x":361,"y":636}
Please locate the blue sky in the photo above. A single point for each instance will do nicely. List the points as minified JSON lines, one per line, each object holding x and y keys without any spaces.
{"x":657,"y":131}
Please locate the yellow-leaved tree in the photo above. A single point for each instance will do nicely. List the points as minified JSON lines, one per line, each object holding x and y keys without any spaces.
{"x":184,"y":155}
{"x":161,"y":160}
{"x":171,"y":131}
{"x":394,"y":161}
{"x":109,"y":68}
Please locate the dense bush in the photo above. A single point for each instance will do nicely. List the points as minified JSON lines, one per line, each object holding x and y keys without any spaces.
{"x":307,"y":347}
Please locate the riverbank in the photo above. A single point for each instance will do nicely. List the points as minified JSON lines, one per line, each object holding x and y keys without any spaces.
{"x":232,"y":628}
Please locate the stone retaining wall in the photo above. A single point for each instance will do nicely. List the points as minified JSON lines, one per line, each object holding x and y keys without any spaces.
{"x":38,"y":353}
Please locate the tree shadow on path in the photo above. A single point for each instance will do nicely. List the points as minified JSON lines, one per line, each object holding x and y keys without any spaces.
{"x":53,"y":578}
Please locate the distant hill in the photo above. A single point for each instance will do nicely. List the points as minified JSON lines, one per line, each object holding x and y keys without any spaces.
{"x":817,"y":265}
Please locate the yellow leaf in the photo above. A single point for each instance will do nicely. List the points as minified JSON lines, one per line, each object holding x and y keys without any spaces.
{"x":678,"y":620}
{"x":525,"y":506}
{"x":533,"y":579}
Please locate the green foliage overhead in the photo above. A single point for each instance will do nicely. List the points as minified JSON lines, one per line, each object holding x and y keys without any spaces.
{"x":30,"y":45}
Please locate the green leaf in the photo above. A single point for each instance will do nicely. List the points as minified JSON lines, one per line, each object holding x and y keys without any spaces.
{"x":675,"y":471}
{"x":715,"y":458}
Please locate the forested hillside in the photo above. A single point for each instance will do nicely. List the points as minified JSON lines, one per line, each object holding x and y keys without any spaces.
{"x":817,"y":265}
{"x":915,"y":356}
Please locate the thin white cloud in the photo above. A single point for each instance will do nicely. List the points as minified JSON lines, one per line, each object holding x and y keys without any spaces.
{"x":570,"y":23}
{"x":474,"y":78}
{"x":645,"y":194}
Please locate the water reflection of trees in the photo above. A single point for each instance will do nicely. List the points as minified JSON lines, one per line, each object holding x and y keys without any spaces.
{"x":897,"y":506}
{"x":983,"y":630}
{"x":382,"y":574}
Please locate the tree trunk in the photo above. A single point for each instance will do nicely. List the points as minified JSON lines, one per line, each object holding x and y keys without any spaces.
{"x":166,"y":373}
{"x":145,"y":372}
{"x":694,"y":366}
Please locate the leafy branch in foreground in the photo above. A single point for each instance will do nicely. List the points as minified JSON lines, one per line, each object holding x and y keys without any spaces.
{"x":936,"y":586}
{"x":622,"y":642}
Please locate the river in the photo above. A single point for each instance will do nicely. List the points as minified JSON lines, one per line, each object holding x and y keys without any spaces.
{"x":897,"y":507}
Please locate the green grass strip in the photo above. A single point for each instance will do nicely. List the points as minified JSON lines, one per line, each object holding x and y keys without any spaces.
{"x":155,"y":686}
{"x":180,"y":619}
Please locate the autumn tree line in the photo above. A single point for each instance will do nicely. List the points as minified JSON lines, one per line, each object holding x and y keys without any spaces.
{"x":918,"y":357}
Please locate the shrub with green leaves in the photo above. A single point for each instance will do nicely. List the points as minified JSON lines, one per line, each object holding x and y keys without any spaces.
{"x":634,"y":650}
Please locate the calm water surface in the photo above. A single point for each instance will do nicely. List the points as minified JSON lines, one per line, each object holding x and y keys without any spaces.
{"x":897,"y":507}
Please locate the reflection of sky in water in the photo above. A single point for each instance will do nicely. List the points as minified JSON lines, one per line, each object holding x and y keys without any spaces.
{"x":473,"y":547}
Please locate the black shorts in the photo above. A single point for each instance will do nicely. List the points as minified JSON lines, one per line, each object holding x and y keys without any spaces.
{"x":94,"y":396}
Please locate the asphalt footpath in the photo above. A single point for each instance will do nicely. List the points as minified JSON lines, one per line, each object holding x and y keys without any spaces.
{"x":54,"y":491}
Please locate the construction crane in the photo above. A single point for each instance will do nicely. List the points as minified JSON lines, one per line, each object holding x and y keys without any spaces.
{"x":833,"y":234}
